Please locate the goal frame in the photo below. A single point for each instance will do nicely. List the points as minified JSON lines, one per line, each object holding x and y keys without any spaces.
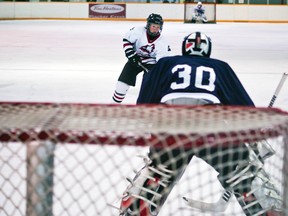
{"x":43,"y":126}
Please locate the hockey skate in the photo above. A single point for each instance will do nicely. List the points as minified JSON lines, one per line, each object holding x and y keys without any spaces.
{"x":146,"y":193}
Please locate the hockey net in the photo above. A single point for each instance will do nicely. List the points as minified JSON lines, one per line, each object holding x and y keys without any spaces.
{"x":210,"y":10}
{"x":73,"y":159}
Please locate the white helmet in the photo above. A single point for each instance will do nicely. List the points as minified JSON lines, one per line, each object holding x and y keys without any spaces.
{"x":199,"y":4}
{"x":198,"y":44}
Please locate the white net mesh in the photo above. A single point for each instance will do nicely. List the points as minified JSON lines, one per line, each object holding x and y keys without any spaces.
{"x":72,"y":159}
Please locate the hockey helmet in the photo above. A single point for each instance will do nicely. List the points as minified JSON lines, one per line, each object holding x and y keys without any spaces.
{"x":198,"y":44}
{"x":154,"y":19}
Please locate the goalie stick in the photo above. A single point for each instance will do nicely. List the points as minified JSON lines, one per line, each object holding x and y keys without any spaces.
{"x":279,"y":87}
{"x":219,"y":206}
{"x":222,"y":203}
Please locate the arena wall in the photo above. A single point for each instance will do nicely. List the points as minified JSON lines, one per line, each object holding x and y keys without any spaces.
{"x":140,"y":11}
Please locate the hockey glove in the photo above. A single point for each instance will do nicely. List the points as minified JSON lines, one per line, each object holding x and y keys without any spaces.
{"x":134,"y":59}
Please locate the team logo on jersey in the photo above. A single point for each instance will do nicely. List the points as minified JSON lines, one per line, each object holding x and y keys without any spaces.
{"x":148,"y":49}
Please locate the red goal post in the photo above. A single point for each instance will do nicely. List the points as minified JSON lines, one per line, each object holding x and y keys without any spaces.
{"x":72,"y":159}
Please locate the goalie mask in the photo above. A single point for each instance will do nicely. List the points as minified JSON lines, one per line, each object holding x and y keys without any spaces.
{"x":197,"y":44}
{"x":154,"y":19}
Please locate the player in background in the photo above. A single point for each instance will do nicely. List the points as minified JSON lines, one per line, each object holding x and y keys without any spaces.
{"x":199,"y":13}
{"x":192,"y":79}
{"x":142,"y":45}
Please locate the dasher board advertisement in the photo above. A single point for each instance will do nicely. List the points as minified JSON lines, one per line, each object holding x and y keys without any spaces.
{"x":107,"y":10}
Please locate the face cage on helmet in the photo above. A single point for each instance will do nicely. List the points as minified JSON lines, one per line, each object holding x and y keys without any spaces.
{"x":152,"y":33}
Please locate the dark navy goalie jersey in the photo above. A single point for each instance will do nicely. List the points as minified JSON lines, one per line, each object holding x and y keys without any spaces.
{"x":193,"y":77}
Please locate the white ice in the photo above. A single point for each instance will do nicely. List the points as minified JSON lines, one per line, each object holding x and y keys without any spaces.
{"x":80,"y":61}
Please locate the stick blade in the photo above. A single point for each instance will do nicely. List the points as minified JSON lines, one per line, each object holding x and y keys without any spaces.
{"x":219,"y":206}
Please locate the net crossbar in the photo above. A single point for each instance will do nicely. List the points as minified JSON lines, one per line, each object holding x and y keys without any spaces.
{"x":105,"y":124}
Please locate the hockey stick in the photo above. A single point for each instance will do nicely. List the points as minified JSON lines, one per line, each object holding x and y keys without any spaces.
{"x":279,"y":87}
{"x":219,"y":206}
{"x":143,"y":67}
{"x":222,"y":203}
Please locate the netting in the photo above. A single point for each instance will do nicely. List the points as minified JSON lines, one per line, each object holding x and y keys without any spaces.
{"x":73,"y":159}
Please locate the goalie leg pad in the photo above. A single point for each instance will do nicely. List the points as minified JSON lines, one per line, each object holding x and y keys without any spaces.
{"x":263,"y":149}
{"x":263,"y":195}
{"x":266,"y":192}
{"x":147,"y":191}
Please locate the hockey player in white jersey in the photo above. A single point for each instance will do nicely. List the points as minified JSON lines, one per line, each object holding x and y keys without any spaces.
{"x":143,"y":45}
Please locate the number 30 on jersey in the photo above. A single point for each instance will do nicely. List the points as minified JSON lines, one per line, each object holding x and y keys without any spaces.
{"x":185,"y":73}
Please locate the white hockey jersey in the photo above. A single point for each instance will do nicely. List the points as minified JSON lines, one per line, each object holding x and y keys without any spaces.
{"x":150,"y":51}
